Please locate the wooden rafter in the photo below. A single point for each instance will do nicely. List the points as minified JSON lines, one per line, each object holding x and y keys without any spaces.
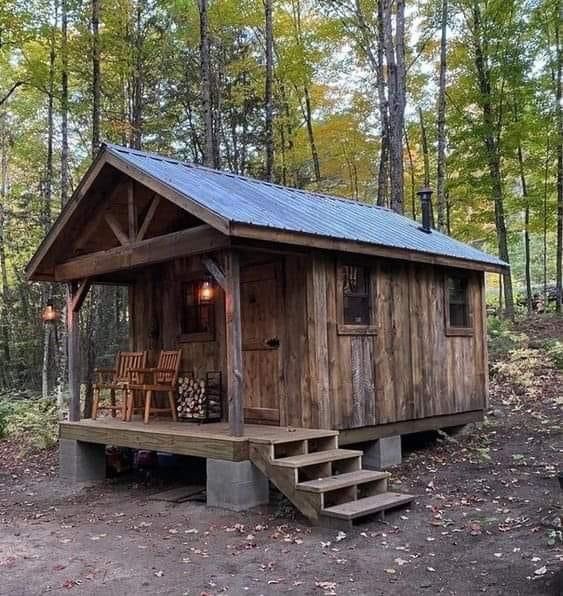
{"x":78,"y":294}
{"x":116,"y":228}
{"x":131,"y":210}
{"x":155,"y":202}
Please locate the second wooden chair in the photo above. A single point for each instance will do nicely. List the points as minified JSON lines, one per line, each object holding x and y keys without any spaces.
{"x":161,"y":379}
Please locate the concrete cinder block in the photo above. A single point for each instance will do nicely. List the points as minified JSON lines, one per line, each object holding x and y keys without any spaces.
{"x":81,"y":462}
{"x":236,"y":486}
{"x":383,"y":453}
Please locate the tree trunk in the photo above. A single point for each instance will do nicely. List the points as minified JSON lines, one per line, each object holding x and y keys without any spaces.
{"x":526,"y":198}
{"x":395,"y":57}
{"x":64,"y":104}
{"x":5,"y":310}
{"x":49,"y":174}
{"x":310,"y":134}
{"x":441,"y":160}
{"x":492,"y":126}
{"x":96,"y":77}
{"x":269,"y":100}
{"x":383,"y":169}
{"x":413,"y":179}
{"x":209,"y":152}
{"x":559,"y":150}
{"x":138,"y":80}
{"x":425,"y":152}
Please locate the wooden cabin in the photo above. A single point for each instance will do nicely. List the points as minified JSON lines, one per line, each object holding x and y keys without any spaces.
{"x":320,"y":312}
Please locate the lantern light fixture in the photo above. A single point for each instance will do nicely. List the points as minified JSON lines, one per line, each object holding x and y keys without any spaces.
{"x":206,"y":291}
{"x":49,"y":313}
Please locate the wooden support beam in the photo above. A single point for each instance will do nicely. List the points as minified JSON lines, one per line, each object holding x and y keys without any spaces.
{"x":198,"y":240}
{"x":215,"y":269}
{"x":79,"y":295}
{"x":116,"y":228}
{"x":234,"y":343}
{"x":148,"y":217}
{"x":131,"y":211}
{"x":73,"y":347}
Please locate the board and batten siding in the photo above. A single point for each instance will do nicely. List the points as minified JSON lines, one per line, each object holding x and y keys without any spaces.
{"x":407,"y":369}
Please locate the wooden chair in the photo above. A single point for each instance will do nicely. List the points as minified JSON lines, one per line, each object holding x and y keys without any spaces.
{"x":161,"y":379}
{"x":116,"y":379}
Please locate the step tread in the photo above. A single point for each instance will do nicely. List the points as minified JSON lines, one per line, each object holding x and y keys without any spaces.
{"x":322,"y":485}
{"x":367,"y":505}
{"x":318,"y":457}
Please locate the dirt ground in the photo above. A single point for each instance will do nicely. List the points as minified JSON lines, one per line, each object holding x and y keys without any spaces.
{"x":486,"y":520}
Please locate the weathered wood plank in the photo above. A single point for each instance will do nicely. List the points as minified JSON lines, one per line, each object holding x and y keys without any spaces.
{"x":196,"y":240}
{"x":131,"y":211}
{"x":116,"y":228}
{"x":215,"y":269}
{"x":73,"y":331}
{"x":153,"y":206}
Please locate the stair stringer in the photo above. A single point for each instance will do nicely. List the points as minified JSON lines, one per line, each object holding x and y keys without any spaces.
{"x":285,"y":480}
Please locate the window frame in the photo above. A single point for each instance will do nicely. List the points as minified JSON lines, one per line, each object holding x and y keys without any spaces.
{"x":343,"y":328}
{"x":197,"y":336}
{"x":452,"y":330}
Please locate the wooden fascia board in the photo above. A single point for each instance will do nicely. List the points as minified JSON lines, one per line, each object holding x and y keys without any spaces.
{"x":65,"y":214}
{"x":251,"y":232}
{"x":181,"y":200}
{"x":201,"y":239}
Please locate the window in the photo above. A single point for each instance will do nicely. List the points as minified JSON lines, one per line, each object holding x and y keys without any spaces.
{"x":354,"y":297}
{"x":355,"y":290}
{"x":198,"y":310}
{"x":457,"y":308}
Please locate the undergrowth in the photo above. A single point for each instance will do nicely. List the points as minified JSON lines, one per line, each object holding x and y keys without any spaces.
{"x":32,"y":423}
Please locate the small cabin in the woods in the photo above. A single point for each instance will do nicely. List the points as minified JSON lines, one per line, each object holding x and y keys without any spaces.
{"x":320,"y":312}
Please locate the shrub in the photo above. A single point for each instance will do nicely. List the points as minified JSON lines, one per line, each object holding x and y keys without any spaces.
{"x":554,"y":348}
{"x":501,"y":336}
{"x":31,"y":422}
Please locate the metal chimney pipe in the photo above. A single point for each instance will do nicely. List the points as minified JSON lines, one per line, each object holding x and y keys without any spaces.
{"x":425,"y":195}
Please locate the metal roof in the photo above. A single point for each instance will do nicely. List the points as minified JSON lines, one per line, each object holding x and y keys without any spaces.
{"x":239,"y":199}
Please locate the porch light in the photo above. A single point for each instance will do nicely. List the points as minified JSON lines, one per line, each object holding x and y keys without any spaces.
{"x":206,"y":292}
{"x":49,"y":313}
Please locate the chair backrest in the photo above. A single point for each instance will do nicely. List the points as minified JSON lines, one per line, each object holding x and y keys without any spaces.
{"x":168,"y":367}
{"x":126,"y":361}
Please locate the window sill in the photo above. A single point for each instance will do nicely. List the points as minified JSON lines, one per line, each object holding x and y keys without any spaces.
{"x":459,"y":331}
{"x":356,"y":329}
{"x":186,"y":338}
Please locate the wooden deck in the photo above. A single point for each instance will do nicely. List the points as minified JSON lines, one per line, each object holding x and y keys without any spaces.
{"x":199,"y":440}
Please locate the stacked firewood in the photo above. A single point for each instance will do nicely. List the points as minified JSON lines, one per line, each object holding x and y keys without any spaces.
{"x":195,"y":400}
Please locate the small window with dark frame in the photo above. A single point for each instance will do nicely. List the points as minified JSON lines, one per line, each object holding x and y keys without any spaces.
{"x":458,"y":303}
{"x":356,"y":298}
{"x":198,"y":308}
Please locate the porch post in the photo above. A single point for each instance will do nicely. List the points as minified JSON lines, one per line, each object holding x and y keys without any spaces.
{"x":73,"y":339}
{"x":234,"y":343}
{"x":75,"y":297}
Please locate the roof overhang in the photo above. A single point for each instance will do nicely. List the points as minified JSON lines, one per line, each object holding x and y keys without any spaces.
{"x":242,"y":231}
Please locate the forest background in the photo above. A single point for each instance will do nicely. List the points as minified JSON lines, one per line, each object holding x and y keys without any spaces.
{"x":367,"y":99}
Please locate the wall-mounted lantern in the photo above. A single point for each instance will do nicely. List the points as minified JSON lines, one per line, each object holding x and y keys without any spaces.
{"x":206,"y":292}
{"x":49,"y":314}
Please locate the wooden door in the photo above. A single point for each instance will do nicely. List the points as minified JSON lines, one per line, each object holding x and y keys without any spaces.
{"x":261,"y":321}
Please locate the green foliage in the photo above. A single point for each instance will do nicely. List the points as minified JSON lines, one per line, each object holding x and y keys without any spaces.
{"x":502,"y":338}
{"x":554,"y":349}
{"x":33,"y":423}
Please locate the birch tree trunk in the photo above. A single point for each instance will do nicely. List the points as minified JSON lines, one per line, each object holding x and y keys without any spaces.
{"x":269,"y":100}
{"x":209,"y":151}
{"x":441,"y":163}
{"x":64,"y":103}
{"x":96,"y":76}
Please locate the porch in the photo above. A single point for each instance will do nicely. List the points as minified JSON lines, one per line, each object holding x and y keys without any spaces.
{"x":212,"y":441}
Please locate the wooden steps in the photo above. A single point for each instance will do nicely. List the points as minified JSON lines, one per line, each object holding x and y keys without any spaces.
{"x":320,"y":457}
{"x":367,"y":506}
{"x":322,"y":485}
{"x":326,"y":483}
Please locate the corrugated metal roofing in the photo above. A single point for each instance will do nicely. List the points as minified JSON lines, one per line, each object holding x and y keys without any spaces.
{"x":248,"y":201}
